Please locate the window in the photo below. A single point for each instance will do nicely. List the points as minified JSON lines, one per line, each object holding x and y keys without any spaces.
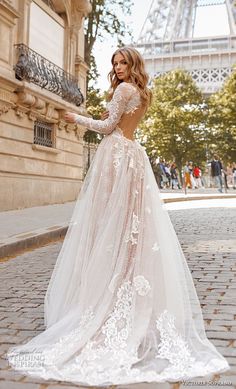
{"x":43,"y":133}
{"x":46,"y":34}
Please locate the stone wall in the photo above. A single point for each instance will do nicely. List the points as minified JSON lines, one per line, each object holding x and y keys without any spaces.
{"x":31,"y":174}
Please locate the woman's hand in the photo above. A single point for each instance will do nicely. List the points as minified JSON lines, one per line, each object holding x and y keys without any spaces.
{"x":70,"y":117}
{"x":105,"y":115}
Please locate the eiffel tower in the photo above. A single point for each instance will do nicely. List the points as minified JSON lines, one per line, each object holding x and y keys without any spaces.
{"x":167,"y":42}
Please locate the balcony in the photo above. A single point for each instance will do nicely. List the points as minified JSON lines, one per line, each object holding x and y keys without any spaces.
{"x":32,"y":67}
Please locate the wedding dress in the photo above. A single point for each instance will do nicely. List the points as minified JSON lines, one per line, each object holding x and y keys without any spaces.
{"x":121,"y":306}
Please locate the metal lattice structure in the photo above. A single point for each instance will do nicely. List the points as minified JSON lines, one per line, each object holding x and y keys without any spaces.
{"x":167,"y":42}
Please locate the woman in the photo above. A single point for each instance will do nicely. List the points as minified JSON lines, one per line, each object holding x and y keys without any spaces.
{"x":121,"y":306}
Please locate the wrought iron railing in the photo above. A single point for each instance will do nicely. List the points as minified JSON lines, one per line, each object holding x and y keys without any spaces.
{"x":32,"y":67}
{"x":43,"y":133}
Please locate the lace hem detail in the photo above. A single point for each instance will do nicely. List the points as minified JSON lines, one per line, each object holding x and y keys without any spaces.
{"x":110,"y":359}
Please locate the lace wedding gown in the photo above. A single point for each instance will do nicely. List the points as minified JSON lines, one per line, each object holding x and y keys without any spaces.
{"x":121,"y":306}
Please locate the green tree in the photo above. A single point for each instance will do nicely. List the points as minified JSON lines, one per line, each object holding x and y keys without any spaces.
{"x":95,"y":107}
{"x":222,"y":119}
{"x":102,"y":21}
{"x":173,"y":127}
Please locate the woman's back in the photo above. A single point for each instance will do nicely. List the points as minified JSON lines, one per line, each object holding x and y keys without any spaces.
{"x":125,"y":112}
{"x":133,"y":111}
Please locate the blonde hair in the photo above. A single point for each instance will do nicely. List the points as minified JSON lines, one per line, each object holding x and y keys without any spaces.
{"x":136,"y":71}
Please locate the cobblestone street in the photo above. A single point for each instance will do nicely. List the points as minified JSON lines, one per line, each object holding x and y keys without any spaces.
{"x":208,"y":239}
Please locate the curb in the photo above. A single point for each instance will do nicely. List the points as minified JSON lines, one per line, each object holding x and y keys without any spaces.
{"x":192,"y":198}
{"x":30,"y":240}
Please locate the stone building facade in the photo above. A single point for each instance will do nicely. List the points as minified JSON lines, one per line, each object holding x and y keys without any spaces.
{"x":42,"y":75}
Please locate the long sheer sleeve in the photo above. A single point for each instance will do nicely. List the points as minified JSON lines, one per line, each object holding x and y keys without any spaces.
{"x":116,"y":108}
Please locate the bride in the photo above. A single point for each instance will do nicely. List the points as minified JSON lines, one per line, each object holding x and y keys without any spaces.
{"x":121,"y":306}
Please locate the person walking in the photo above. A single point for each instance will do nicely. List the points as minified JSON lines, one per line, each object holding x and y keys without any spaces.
{"x":187,"y":178}
{"x":190,"y":168}
{"x":197,"y":177}
{"x":164,"y":179}
{"x":158,"y":175}
{"x":174,"y":177}
{"x":121,"y":306}
{"x":168,"y":174}
{"x":216,"y":172}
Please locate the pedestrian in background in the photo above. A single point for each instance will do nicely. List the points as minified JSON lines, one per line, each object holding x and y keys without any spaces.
{"x":197,"y":177}
{"x":186,"y":172}
{"x":234,"y":175}
{"x":229,"y":172}
{"x":190,"y":168}
{"x":205,"y":176}
{"x":164,"y":179}
{"x":168,"y":174}
{"x":159,"y":175}
{"x":216,"y":172}
{"x":174,"y":177}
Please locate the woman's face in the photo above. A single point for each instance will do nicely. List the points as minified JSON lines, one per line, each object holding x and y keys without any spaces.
{"x":121,"y":67}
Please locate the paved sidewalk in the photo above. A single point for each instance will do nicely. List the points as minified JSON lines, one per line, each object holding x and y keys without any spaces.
{"x":195,"y":194}
{"x":208,"y":240}
{"x":33,"y":227}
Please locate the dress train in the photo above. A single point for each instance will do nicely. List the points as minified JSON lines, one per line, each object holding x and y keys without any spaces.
{"x":121,"y":306}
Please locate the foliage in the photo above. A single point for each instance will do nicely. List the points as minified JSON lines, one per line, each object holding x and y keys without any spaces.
{"x":222,"y":120}
{"x":104,"y":20}
{"x":173,"y":128}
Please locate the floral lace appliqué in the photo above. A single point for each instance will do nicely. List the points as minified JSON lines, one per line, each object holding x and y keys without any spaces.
{"x":172,"y":346}
{"x":38,"y":360}
{"x":117,"y":154}
{"x":118,"y":326}
{"x":155,"y":247}
{"x":134,"y":230}
{"x":69,"y":339}
{"x":130,"y":154}
{"x":112,"y":349}
{"x":141,"y":285}
{"x":133,"y":103}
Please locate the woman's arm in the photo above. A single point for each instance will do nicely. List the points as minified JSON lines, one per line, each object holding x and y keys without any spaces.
{"x":117,"y":106}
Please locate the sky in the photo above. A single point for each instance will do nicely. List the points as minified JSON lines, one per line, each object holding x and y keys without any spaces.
{"x":210,"y":21}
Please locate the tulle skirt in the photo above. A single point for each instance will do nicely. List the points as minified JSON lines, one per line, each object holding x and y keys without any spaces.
{"x":121,"y":306}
